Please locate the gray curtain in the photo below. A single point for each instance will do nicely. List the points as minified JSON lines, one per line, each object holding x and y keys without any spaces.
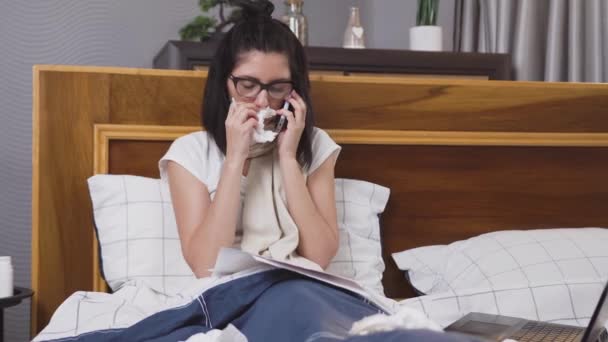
{"x":550,"y":40}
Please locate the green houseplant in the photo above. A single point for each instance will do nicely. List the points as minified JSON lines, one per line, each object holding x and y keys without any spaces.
{"x":426,"y":35}
{"x":427,"y":12}
{"x":205,"y":26}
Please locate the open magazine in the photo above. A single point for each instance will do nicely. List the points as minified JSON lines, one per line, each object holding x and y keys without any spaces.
{"x":231,"y":260}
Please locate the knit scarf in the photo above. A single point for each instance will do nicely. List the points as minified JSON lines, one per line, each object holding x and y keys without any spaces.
{"x":268,"y":228}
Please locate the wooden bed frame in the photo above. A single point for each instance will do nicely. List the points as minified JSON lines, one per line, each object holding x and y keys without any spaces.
{"x":461,"y":157}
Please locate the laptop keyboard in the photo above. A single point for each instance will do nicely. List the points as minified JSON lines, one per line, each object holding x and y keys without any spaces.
{"x":538,"y":331}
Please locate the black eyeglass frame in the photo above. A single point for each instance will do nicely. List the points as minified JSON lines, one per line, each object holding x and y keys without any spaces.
{"x":263,"y":86}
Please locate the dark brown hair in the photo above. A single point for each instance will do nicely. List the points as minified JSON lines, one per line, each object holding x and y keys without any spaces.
{"x":255,"y":31}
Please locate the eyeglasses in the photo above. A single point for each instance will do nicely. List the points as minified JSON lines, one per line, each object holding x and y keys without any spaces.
{"x":250,"y":87}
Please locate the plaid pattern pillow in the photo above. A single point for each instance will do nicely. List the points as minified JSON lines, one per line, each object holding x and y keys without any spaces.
{"x":547,"y":274}
{"x":137,"y":232}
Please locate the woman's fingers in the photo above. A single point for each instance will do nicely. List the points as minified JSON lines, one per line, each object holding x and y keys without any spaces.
{"x":236,"y":107}
{"x":244,"y":114}
{"x":231,"y":108}
{"x":236,"y":111}
{"x":299,"y":106}
{"x":289,"y":115}
{"x":250,"y":123}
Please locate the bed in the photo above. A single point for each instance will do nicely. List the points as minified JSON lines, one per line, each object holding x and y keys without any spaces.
{"x":461,"y":157}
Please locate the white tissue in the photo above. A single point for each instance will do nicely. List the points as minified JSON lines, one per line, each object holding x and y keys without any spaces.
{"x":259,"y":134}
{"x":229,"y":334}
{"x":405,"y":318}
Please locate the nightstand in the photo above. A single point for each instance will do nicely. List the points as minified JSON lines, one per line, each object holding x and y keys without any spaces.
{"x":19,"y":294}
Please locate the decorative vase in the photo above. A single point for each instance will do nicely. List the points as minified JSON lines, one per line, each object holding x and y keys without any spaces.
{"x":426,"y":38}
{"x":354,"y":35}
{"x":296,"y":20}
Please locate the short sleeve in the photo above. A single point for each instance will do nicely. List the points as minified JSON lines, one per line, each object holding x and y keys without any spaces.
{"x":187,"y":151}
{"x":323,"y":146}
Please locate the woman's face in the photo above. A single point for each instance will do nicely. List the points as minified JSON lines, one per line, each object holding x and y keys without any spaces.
{"x":265,"y":68}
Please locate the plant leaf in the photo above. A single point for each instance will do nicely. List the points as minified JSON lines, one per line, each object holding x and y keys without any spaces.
{"x":427,"y":12}
{"x":206,"y":5}
{"x":198,"y":28}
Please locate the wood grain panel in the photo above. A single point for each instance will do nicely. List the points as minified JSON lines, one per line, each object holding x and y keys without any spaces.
{"x":403,"y":76}
{"x":65,"y":107}
{"x":139,"y":157}
{"x":457,"y":105}
{"x":153,"y":100}
{"x":440,"y":194}
{"x":387,"y":103}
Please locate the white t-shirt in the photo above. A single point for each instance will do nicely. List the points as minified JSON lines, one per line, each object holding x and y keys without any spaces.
{"x":198,"y":153}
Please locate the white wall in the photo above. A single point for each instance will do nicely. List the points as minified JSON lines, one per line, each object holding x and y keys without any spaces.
{"x":121,"y":33}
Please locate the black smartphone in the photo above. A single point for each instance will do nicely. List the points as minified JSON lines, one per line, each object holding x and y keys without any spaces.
{"x":282,"y":123}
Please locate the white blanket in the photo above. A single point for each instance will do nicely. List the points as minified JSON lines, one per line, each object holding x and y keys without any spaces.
{"x":85,"y":312}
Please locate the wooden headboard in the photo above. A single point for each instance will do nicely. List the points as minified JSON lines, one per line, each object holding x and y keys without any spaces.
{"x":461,"y":157}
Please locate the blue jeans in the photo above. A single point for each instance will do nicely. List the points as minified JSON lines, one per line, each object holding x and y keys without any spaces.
{"x":276,"y":305}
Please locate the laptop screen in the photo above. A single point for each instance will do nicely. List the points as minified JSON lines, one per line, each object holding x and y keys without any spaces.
{"x":599,"y":318}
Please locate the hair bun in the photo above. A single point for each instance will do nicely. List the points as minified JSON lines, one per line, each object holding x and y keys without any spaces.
{"x":254,"y":9}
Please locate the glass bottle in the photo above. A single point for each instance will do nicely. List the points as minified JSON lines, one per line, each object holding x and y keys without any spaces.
{"x":354,"y":36}
{"x":296,"y":20}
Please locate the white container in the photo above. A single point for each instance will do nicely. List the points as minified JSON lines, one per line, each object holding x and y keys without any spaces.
{"x":426,"y":38}
{"x":6,"y":277}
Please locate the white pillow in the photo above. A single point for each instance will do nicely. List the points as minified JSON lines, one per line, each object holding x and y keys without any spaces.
{"x":544,"y":274}
{"x":359,"y":256}
{"x":138,"y":238}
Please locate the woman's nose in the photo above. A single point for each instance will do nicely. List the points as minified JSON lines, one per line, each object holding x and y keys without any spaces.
{"x":262,"y":99}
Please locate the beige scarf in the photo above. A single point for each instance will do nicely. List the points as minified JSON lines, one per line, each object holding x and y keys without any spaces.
{"x":268,"y":228}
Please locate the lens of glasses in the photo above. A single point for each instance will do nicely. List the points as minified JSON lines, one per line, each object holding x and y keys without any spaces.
{"x":247,"y":88}
{"x":250,"y":88}
{"x":280,"y":90}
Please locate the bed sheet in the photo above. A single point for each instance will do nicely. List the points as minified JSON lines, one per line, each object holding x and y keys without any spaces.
{"x":267,"y":304}
{"x":137,"y":312}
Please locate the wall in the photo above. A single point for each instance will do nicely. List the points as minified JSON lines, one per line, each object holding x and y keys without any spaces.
{"x":386,"y":22}
{"x":121,"y":33}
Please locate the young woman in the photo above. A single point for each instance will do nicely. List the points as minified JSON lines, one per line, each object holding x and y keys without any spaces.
{"x":259,"y":64}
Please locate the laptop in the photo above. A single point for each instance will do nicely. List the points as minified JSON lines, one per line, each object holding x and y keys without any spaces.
{"x":498,"y":328}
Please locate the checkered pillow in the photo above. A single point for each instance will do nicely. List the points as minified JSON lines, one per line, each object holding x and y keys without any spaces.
{"x":359,"y":256}
{"x":547,"y":274}
{"x":138,"y":237}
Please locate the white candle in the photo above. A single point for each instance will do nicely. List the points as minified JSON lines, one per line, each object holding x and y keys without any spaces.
{"x":6,"y":277}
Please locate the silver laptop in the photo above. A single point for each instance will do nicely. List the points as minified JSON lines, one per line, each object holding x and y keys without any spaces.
{"x":498,"y":328}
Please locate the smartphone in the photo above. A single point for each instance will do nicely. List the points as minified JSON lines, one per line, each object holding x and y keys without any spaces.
{"x":282,"y":124}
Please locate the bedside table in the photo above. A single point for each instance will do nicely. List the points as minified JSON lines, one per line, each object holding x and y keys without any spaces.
{"x":19,"y":294}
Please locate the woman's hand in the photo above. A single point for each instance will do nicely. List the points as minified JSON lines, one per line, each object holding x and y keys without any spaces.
{"x":240,"y":124}
{"x":289,"y":139}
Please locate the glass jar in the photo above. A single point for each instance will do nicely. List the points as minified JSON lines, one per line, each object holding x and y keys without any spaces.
{"x":296,"y":20}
